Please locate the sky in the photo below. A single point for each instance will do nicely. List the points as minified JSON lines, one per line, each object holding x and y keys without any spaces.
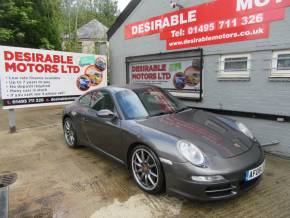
{"x":122,"y":4}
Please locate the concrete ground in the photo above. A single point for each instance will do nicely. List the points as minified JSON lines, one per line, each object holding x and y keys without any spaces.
{"x":55,"y":181}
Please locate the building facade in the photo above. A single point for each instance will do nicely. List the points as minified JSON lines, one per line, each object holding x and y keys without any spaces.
{"x":91,"y":38}
{"x":245,"y":48}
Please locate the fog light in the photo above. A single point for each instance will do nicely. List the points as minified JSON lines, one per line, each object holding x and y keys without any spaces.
{"x":207,"y":178}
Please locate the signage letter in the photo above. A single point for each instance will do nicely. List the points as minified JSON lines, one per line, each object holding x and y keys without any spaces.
{"x":261,"y":3}
{"x":8,"y":56}
{"x":243,"y":5}
{"x":134,"y":30}
{"x":191,"y":16}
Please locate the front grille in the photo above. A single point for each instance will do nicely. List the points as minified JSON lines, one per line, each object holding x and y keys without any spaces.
{"x":229,"y":189}
{"x":223,"y":190}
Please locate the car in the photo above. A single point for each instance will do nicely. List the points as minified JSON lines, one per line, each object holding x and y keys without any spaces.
{"x":166,"y":145}
{"x":100,"y":64}
{"x":84,"y":83}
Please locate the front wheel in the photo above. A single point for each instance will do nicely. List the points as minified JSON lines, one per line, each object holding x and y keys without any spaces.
{"x":146,"y":170}
{"x":69,"y":133}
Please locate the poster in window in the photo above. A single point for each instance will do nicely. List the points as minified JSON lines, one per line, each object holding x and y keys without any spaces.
{"x":182,"y":77}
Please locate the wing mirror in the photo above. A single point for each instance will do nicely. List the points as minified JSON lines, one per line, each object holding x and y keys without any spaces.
{"x":106,"y":114}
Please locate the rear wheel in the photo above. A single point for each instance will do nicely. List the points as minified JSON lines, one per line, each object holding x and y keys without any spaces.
{"x":69,"y":133}
{"x":146,"y":170}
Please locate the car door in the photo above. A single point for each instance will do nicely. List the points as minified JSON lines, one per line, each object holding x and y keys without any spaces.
{"x":78,"y":114}
{"x":103,"y":133}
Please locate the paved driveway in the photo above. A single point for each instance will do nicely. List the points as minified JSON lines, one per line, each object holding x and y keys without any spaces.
{"x":55,"y":181}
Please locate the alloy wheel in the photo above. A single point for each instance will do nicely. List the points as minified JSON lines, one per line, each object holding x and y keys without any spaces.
{"x":145,"y":169}
{"x":69,"y":133}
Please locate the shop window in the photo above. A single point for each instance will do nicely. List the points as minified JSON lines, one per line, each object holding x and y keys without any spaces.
{"x":235,"y":67}
{"x":281,"y":64}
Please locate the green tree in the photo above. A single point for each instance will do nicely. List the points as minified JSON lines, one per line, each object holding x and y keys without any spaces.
{"x":76,"y":13}
{"x":30,"y":23}
{"x":107,"y":11}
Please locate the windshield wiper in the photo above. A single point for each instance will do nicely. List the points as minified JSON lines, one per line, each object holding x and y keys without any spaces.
{"x":160,"y":114}
{"x":141,"y":118}
{"x":183,"y":109}
{"x":177,"y":111}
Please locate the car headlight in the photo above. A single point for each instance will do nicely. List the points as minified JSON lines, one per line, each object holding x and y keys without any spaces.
{"x":242,"y":127}
{"x":192,"y":153}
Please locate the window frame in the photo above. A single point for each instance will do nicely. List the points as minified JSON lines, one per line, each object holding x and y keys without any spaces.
{"x":234,"y":74}
{"x":275,"y":73}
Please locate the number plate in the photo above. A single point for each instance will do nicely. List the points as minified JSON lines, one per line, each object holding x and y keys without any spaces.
{"x":254,"y":173}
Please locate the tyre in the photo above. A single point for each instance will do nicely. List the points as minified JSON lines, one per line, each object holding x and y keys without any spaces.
{"x":146,"y":170}
{"x":70,"y":133}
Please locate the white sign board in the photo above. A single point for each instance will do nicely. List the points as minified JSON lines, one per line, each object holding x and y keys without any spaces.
{"x":33,"y":77}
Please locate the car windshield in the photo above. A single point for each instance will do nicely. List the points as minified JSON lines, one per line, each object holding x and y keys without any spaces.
{"x":145,"y":102}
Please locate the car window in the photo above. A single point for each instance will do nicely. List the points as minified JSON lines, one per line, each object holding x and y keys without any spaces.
{"x":102,"y":100}
{"x":157,"y":101}
{"x":150,"y":101}
{"x":131,"y":105}
{"x":85,"y":100}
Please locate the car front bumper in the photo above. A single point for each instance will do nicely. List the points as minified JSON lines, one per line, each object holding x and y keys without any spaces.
{"x":211,"y":191}
{"x":179,"y":181}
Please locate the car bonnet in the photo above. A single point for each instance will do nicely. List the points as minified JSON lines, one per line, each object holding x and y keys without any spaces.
{"x":207,"y":131}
